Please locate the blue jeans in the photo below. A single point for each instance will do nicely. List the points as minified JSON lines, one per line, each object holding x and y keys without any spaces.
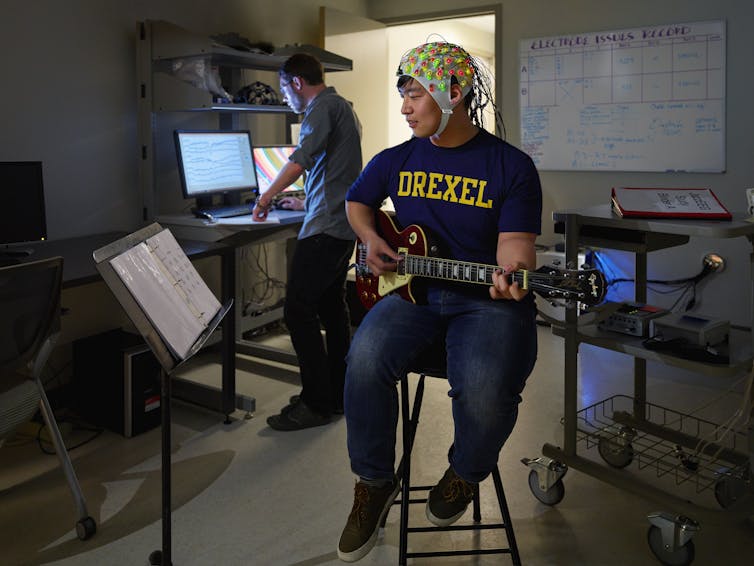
{"x":491,"y":350}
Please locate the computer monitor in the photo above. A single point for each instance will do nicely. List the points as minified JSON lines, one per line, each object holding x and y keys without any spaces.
{"x":214,"y":162}
{"x":24,"y":218}
{"x":269,"y":160}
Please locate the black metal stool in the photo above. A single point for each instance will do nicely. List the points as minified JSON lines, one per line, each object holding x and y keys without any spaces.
{"x":432,"y":363}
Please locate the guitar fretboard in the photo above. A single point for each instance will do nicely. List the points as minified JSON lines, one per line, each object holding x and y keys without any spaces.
{"x":452,"y":270}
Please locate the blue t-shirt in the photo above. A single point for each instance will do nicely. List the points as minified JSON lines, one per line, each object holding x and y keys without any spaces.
{"x":465,"y":196}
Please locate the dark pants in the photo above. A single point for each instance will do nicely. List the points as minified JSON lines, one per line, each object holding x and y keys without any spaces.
{"x":315,"y":299}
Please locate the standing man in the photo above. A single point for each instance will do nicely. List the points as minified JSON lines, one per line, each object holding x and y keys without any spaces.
{"x":481,"y":197}
{"x":329,"y":149}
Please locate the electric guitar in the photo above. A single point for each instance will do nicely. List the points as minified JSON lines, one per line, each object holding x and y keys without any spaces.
{"x":586,"y":286}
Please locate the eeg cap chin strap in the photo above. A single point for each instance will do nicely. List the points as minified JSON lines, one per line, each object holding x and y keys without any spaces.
{"x":434,"y":65}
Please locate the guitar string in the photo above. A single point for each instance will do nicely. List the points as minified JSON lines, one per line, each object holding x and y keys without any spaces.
{"x":439,"y":268}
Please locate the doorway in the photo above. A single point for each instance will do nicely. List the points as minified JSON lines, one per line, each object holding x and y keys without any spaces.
{"x":375,"y":49}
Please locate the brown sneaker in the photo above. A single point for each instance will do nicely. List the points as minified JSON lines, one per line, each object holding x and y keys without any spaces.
{"x":449,"y":499}
{"x":370,"y":506}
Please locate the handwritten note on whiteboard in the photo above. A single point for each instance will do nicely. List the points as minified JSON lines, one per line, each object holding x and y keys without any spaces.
{"x":639,"y":99}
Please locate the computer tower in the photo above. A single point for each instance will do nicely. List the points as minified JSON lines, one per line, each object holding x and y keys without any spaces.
{"x":117,"y":382}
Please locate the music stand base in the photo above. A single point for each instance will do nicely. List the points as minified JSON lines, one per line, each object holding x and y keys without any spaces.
{"x":155,"y":559}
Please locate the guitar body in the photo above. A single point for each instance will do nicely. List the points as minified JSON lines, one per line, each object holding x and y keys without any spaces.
{"x":412,"y":240}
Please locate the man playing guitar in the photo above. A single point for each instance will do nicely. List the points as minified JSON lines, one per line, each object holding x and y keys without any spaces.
{"x":482,"y":198}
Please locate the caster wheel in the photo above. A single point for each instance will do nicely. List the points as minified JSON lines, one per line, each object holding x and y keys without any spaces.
{"x":728,"y":490}
{"x":552,"y":496}
{"x":85,"y":528}
{"x":682,"y":556}
{"x":616,"y":451}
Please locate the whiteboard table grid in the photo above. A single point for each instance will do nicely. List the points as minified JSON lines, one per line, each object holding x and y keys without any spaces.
{"x":640,"y":99}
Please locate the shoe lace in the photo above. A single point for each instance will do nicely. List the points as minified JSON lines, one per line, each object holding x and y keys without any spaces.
{"x":360,"y":501}
{"x":458,"y":488}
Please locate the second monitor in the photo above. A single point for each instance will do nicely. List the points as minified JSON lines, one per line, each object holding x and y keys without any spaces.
{"x":269,"y":160}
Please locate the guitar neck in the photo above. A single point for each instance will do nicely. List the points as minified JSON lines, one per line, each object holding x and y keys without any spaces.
{"x":453,"y":270}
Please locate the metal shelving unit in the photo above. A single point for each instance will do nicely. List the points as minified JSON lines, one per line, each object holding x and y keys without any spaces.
{"x":671,"y":451}
{"x":162,"y":47}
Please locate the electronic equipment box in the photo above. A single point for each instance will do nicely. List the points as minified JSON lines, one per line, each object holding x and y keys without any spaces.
{"x":695,"y":329}
{"x":117,"y":382}
{"x":632,"y":319}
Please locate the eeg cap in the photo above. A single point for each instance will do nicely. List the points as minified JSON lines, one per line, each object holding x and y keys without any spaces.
{"x":434,"y":65}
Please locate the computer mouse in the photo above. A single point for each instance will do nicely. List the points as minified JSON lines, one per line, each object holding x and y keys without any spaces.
{"x":204,"y":214}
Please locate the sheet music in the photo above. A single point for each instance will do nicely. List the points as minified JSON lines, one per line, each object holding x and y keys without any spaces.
{"x":169,"y":290}
{"x":197,"y":295}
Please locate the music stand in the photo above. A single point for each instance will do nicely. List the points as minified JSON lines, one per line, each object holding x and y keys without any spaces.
{"x":169,"y":362}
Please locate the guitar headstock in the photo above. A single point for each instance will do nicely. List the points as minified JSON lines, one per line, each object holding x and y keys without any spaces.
{"x":587,"y":286}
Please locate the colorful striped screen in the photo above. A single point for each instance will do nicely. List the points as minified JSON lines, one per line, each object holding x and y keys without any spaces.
{"x":269,"y":160}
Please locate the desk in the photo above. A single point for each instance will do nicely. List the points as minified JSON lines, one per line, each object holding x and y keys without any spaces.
{"x":79,"y":269}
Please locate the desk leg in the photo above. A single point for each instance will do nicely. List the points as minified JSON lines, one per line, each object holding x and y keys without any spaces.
{"x":228,"y":345}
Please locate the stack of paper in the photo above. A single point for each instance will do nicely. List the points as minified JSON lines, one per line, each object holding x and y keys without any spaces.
{"x":668,"y":203}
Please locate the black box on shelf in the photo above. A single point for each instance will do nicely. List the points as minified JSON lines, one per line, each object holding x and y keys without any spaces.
{"x":117,"y":382}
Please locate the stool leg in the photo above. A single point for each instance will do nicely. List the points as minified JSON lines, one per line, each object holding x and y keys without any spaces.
{"x":413,"y":420}
{"x":409,"y":420}
{"x":477,"y":506}
{"x":506,"y":516}
{"x":404,"y":471}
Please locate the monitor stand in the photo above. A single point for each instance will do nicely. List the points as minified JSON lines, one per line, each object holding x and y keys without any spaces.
{"x":228,"y":199}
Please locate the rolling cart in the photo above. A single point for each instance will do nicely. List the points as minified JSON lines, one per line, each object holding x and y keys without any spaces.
{"x":672,"y":452}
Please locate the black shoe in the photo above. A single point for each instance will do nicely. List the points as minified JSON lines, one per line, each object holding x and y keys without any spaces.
{"x":297,"y":418}
{"x":338,"y":410}
{"x":292,"y":402}
{"x":449,"y":499}
{"x":370,"y":506}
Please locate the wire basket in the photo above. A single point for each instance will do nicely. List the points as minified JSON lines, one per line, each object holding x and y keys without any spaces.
{"x":689,"y":450}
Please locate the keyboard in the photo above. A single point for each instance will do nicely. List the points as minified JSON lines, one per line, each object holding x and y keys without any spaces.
{"x":224,"y":211}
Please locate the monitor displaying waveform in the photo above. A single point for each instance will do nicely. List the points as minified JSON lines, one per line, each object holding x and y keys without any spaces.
{"x":219,"y":161}
{"x":269,"y":160}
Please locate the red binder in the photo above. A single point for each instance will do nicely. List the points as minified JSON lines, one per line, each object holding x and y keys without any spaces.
{"x":639,"y":202}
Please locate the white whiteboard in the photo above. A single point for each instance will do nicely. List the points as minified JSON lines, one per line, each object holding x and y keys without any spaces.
{"x":640,"y":99}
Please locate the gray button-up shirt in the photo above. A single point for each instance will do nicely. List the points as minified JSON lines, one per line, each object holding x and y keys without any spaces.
{"x":329,"y":149}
